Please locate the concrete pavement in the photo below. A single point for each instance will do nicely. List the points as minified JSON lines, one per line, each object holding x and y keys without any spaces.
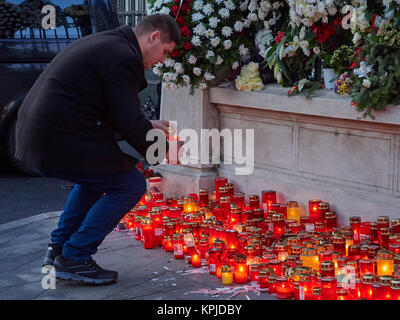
{"x":151,"y":274}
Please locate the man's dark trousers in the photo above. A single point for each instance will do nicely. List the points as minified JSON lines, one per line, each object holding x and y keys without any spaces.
{"x":94,"y":207}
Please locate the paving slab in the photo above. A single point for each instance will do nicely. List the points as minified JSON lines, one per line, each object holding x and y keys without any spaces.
{"x":151,"y":274}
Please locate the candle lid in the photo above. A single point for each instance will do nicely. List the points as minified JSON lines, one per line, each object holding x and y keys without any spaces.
{"x":281,"y":278}
{"x":382,"y":219}
{"x":292,"y":204}
{"x":323,"y":205}
{"x":240,"y":258}
{"x":272,"y":278}
{"x":395,"y":222}
{"x":226,"y":268}
{"x":203,"y":192}
{"x":264,"y":273}
{"x":355,"y":219}
{"x":225,"y":199}
{"x":385,"y":254}
{"x":330,"y":215}
{"x":254,"y":197}
{"x":327,"y":265}
{"x":395,"y":284}
{"x":369,"y":278}
{"x":317,"y":291}
{"x":385,"y":280}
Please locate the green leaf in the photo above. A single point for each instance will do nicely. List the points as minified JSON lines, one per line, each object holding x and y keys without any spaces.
{"x":303,"y":82}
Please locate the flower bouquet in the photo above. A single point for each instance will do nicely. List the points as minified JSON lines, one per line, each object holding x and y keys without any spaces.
{"x":214,"y":39}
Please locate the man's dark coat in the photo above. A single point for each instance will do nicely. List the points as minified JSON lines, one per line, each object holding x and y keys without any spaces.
{"x":88,"y":92}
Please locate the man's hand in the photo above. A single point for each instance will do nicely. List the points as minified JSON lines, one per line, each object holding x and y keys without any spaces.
{"x":161,"y":124}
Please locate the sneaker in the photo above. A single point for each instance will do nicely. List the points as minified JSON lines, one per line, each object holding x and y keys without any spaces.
{"x":52,"y":252}
{"x":88,"y":272}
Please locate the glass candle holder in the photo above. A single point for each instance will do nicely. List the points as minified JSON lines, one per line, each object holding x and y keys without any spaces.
{"x":323,"y":208}
{"x":367,"y":291}
{"x":214,"y":260}
{"x":272,"y":284}
{"x":279,"y":225}
{"x":366,"y":267}
{"x":384,"y":237}
{"x":204,"y":200}
{"x":372,"y":251}
{"x":241,"y":270}
{"x":343,"y":294}
{"x":293,"y":211}
{"x":327,"y":269}
{"x":354,"y":252}
{"x":268,"y":197}
{"x":384,"y":263}
{"x":235,"y":216}
{"x":231,"y":239}
{"x":219,"y":182}
{"x":283,"y":290}
{"x":317,"y":293}
{"x":254,"y":201}
{"x":195,"y":259}
{"x":384,"y":291}
{"x":396,"y":225}
{"x":188,"y":204}
{"x":254,"y":272}
{"x":395,"y":289}
{"x":226,"y":275}
{"x":328,"y":288}
{"x":276,"y":266}
{"x":355,"y":223}
{"x":331,"y":221}
{"x":310,"y":258}
{"x":238,"y":198}
{"x":168,"y":244}
{"x":305,"y":288}
{"x":148,"y":233}
{"x":365,"y":231}
{"x":313,"y":210}
{"x":339,"y":244}
{"x":177,"y":240}
{"x":263,"y":279}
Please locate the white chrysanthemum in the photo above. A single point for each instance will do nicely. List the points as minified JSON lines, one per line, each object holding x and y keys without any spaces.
{"x":209,"y":33}
{"x":199,"y":29}
{"x":243,"y":50}
{"x":215,"y":42}
{"x":238,"y":26}
{"x":210,"y":54}
{"x":198,"y":4}
{"x":227,"y":44}
{"x":186,"y":79}
{"x":208,"y":9}
{"x":171,"y":85}
{"x":196,"y":41}
{"x":230,"y":5}
{"x":252,"y":17}
{"x":164,"y":10}
{"x":169,"y":62}
{"x":196,"y":17}
{"x":197,"y":71}
{"x":208,"y":76}
{"x":192,"y":59}
{"x":224,"y":13}
{"x":247,"y":23}
{"x":317,"y":50}
{"x":179,"y":67}
{"x":366,"y":83}
{"x":158,"y":3}
{"x":235,"y":65}
{"x":202,"y":86}
{"x":243,"y":6}
{"x":157,"y":71}
{"x":226,"y":31}
{"x":213,"y":21}
{"x":169,"y":76}
{"x":252,"y":6}
{"x":219,"y":60}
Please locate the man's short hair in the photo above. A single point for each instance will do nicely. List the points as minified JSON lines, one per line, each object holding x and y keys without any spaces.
{"x":167,"y":26}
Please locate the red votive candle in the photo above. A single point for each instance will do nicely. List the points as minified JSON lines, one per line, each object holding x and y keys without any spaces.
{"x":231,"y":239}
{"x":355,"y":223}
{"x":328,"y":288}
{"x":395,"y":289}
{"x":268,"y":197}
{"x":214,"y":259}
{"x":276,"y":265}
{"x":203,"y":198}
{"x":283,"y":290}
{"x":240,"y":272}
{"x":263,"y":279}
{"x":254,"y":201}
{"x":366,"y":267}
{"x":238,"y":198}
{"x":313,"y":213}
{"x":168,"y":245}
{"x":196,"y":263}
{"x":177,"y":240}
{"x":272,"y":284}
{"x":367,"y":290}
{"x":148,"y":234}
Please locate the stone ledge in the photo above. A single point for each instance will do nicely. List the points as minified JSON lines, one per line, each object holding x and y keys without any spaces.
{"x":325,"y":103}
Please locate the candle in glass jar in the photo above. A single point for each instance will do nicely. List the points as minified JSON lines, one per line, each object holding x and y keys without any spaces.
{"x":384,"y":263}
{"x":263,"y":279}
{"x":241,"y":270}
{"x":268,"y":197}
{"x":323,"y":208}
{"x":168,"y":246}
{"x":219,"y":182}
{"x":254,"y":271}
{"x":276,"y":266}
{"x":279,"y":225}
{"x":355,"y":223}
{"x":203,"y":198}
{"x":328,"y":288}
{"x":317,"y":293}
{"x":148,"y":233}
{"x":177,"y":240}
{"x":366,"y":267}
{"x":305,"y":288}
{"x":339,"y":244}
{"x":283,"y":290}
{"x":313,"y":210}
{"x":293,"y":211}
{"x":272,"y":284}
{"x":384,"y":291}
{"x":395,"y":289}
{"x":196,"y":263}
{"x":231,"y":239}
{"x":188,"y":204}
{"x":226,"y":275}
{"x":367,"y":291}
{"x":254,"y":201}
{"x":214,"y":260}
{"x":384,"y":237}
{"x":331,"y":221}
{"x":310,"y":258}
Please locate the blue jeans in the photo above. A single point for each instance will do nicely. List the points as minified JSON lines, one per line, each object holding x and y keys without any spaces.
{"x":94,"y":207}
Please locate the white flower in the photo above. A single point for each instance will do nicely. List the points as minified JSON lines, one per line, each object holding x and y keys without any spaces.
{"x":276,"y":5}
{"x":186,"y":79}
{"x":165,"y":10}
{"x":192,"y":59}
{"x":158,"y":3}
{"x":230,"y":5}
{"x":208,"y":76}
{"x":356,"y":37}
{"x":243,"y":6}
{"x":196,"y":17}
{"x":235,"y":65}
{"x":252,"y":17}
{"x":215,"y":42}
{"x":157,"y":71}
{"x":210,"y":54}
{"x":196,"y":41}
{"x":247,"y":23}
{"x":219,"y":60}
{"x":227,"y":44}
{"x":178,"y":67}
{"x":208,"y":9}
{"x":317,"y":50}
{"x":224,"y":13}
{"x":226,"y":31}
{"x":214,"y":22}
{"x":199,"y":29}
{"x":202,"y":86}
{"x":243,"y":50}
{"x":169,"y":62}
{"x":198,"y":4}
{"x":366,"y":83}
{"x":197,"y":71}
{"x":209,"y":33}
{"x":169,"y":76}
{"x":238,"y":26}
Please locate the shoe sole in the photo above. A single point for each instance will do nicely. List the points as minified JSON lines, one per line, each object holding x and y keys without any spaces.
{"x":86,"y":280}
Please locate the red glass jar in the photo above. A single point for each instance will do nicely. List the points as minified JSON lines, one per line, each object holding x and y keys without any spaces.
{"x":331,"y":221}
{"x":148,"y":233}
{"x":276,"y":266}
{"x":283,"y":290}
{"x":394,"y":247}
{"x":225,"y":203}
{"x":365,"y":231}
{"x":328,"y":288}
{"x":214,"y":260}
{"x":219,"y":213}
{"x":343,"y":294}
{"x":395,"y":289}
{"x":203,"y":248}
{"x":168,"y":245}
{"x":372,"y":251}
{"x":279,"y":225}
{"x":367,"y":291}
{"x":366,"y":266}
{"x":238,"y":198}
{"x":384,"y":237}
{"x":235,"y":216}
{"x":254,"y":272}
{"x":355,"y":223}
{"x":327,"y":269}
{"x":219,"y":182}
{"x":241,"y":269}
{"x":384,"y":291}
{"x":254,"y":201}
{"x":339,"y":244}
{"x":272,"y":284}
{"x":156,"y":215}
{"x":313,"y":210}
{"x":317,"y":293}
{"x":263,"y":279}
{"x":204,"y":200}
{"x":177,"y":240}
{"x":374,"y":232}
{"x":305,"y":288}
{"x":354,"y":252}
{"x":268,"y":197}
{"x":323,"y":208}
{"x":223,"y":192}
{"x":396,"y":225}
{"x":231,"y":239}
{"x":246,"y":215}
{"x":319,"y":226}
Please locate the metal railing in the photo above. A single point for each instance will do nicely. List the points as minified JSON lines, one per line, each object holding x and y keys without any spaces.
{"x":130,"y":12}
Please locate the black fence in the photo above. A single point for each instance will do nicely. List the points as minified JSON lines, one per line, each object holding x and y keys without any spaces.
{"x":130,"y":12}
